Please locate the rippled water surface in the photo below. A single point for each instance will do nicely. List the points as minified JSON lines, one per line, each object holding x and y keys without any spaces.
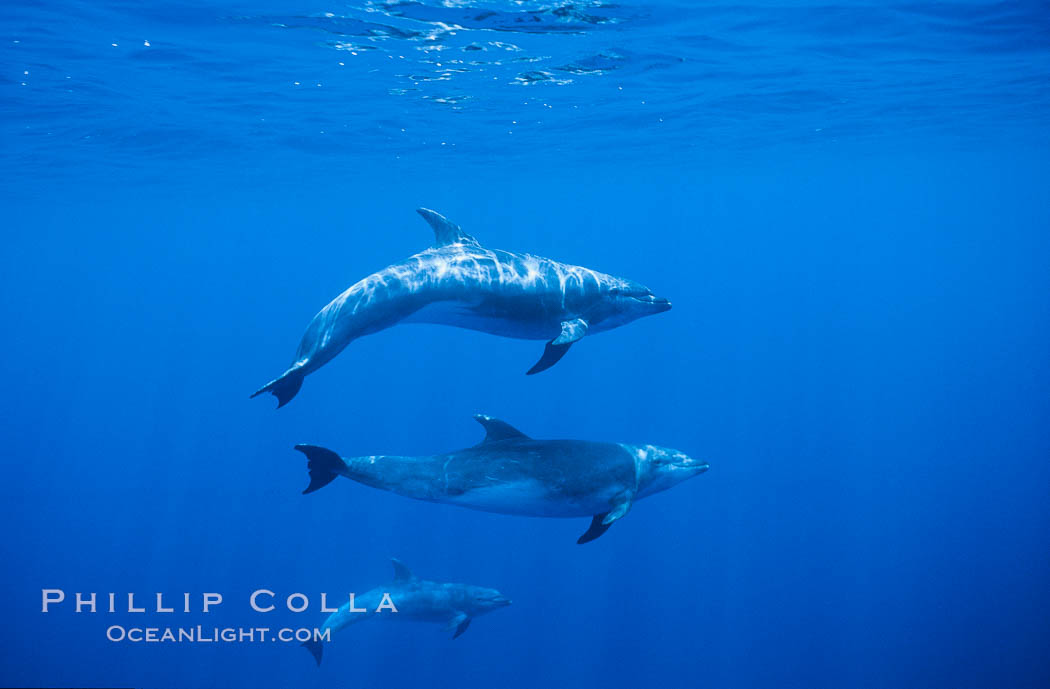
{"x":503,"y":77}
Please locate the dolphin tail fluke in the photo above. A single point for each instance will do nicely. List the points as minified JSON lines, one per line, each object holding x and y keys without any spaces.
{"x":284,"y":388}
{"x":316,"y":649}
{"x":323,"y":464}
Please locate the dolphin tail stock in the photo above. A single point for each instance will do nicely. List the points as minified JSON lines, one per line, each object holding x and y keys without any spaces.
{"x":316,"y":649}
{"x":323,"y":464}
{"x":285,"y":387}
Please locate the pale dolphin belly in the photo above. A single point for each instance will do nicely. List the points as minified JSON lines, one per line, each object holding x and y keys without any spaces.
{"x":461,"y":314}
{"x":530,"y":498}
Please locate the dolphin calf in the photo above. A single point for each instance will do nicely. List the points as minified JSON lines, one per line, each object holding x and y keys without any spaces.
{"x":418,"y":600}
{"x":458,"y":282}
{"x":510,"y":473}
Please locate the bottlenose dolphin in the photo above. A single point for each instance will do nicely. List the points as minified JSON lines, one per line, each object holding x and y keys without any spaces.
{"x":418,"y":600}
{"x":460,"y":283}
{"x":510,"y":473}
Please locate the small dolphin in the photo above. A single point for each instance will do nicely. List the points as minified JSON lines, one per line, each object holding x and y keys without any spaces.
{"x":510,"y":473}
{"x":418,"y":600}
{"x":458,"y":282}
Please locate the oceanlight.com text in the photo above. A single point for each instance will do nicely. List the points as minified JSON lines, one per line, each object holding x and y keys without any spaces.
{"x":201,"y":634}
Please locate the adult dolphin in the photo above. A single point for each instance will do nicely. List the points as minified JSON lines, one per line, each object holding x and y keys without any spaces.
{"x":460,"y":283}
{"x":510,"y":473}
{"x":416,"y":600}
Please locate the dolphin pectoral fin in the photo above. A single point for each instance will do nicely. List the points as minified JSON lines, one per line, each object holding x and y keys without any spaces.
{"x":597,"y":528}
{"x":323,"y":464}
{"x":285,"y":387}
{"x":619,"y":511}
{"x":571,"y":331}
{"x":316,"y":649}
{"x":552,"y":354}
{"x":601,"y":522}
{"x":460,"y":622}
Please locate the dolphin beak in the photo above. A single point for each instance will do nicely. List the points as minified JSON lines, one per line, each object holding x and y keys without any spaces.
{"x":659,"y":302}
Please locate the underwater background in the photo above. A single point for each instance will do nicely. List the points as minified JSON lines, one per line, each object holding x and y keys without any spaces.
{"x":846,"y":203}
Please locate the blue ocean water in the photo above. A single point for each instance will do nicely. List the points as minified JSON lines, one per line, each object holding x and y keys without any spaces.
{"x":846,"y":204}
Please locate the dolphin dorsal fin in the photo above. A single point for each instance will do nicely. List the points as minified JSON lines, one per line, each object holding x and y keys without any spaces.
{"x":445,"y":231}
{"x":498,"y":430}
{"x":401,"y":572}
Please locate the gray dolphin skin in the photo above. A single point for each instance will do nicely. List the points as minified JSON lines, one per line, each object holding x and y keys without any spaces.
{"x":458,"y":282}
{"x":416,"y":600}
{"x":511,"y":473}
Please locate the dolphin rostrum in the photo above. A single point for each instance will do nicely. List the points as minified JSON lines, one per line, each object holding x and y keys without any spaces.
{"x":458,"y":282}
{"x":510,"y":473}
{"x":417,"y":600}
